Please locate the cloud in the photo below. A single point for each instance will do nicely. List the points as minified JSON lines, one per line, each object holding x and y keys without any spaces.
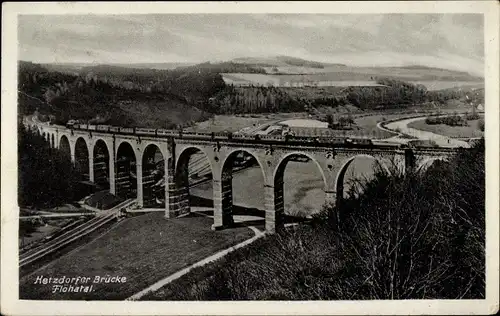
{"x":454,"y":40}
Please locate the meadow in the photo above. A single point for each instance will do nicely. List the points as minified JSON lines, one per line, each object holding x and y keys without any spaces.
{"x":471,"y":130}
{"x":144,"y":249}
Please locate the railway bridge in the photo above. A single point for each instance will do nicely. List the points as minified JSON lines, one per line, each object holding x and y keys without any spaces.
{"x":127,"y":161}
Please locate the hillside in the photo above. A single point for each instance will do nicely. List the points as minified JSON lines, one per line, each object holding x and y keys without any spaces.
{"x":89,"y":98}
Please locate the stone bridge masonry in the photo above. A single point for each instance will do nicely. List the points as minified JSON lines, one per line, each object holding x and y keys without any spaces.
{"x":332,"y":162}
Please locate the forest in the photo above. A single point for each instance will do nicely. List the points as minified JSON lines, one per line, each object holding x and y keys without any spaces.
{"x":393,"y":94}
{"x":46,"y":176}
{"x":101,"y":100}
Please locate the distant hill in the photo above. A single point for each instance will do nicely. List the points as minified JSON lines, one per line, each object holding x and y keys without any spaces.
{"x":283,"y":61}
{"x":276,"y":65}
{"x":286,"y":65}
{"x":76,"y":67}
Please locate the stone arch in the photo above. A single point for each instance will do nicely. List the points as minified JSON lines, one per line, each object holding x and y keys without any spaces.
{"x":189,"y":150}
{"x":153,"y":172}
{"x":339,"y":181}
{"x":101,"y":154}
{"x":187,"y":172}
{"x":126,"y":170}
{"x":130,"y":143}
{"x":223,"y":186}
{"x":427,"y":162}
{"x":64,"y":146}
{"x":82,"y":158}
{"x":285,"y":159}
{"x":279,"y":181}
{"x":231,"y":155}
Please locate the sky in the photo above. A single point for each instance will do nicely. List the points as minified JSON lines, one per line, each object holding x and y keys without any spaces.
{"x":451,"y":41}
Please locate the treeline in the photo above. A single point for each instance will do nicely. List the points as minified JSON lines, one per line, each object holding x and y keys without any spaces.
{"x":46,"y":176}
{"x":414,"y":235}
{"x":233,"y":100}
{"x":393,"y":94}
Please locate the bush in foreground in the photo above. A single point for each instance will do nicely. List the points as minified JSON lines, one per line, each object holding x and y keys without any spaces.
{"x":405,"y":236}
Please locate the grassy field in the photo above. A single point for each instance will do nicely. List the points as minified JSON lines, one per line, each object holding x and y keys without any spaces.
{"x":471,"y":130}
{"x":143,"y":249}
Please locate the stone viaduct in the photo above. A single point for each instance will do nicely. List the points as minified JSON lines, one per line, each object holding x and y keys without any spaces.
{"x":113,"y":148}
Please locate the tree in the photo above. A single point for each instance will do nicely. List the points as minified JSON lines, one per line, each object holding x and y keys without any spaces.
{"x":342,"y":121}
{"x":329,"y":119}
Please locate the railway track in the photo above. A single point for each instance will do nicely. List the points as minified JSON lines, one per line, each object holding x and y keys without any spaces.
{"x":68,"y":237}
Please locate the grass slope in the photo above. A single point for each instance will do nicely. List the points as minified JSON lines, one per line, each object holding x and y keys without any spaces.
{"x":143,"y":249}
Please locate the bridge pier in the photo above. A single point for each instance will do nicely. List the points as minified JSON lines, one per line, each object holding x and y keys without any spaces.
{"x":112,"y":178}
{"x":169,"y":189}
{"x":275,"y":208}
{"x":91,"y":168}
{"x":223,"y":203}
{"x":140,"y":199}
{"x":72,"y":149}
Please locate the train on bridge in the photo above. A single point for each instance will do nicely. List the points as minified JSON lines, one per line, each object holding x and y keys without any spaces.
{"x":229,"y":136}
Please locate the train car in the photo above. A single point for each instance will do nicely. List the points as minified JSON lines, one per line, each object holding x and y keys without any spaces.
{"x":145,"y":131}
{"x":128,"y":130}
{"x":102,"y":127}
{"x":274,"y":138}
{"x":70,"y":124}
{"x":362,"y":141}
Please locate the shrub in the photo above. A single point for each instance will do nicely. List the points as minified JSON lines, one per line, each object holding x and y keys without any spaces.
{"x":451,"y":120}
{"x":471,"y":116}
{"x":419,"y":235}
